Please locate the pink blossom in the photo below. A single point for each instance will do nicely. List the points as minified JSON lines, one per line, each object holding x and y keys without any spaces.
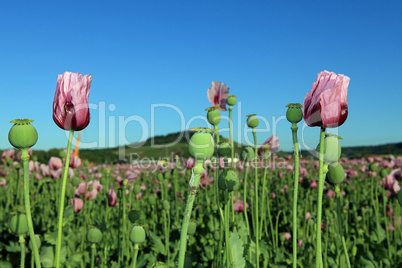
{"x":217,"y":94}
{"x":8,"y":154}
{"x":326,"y":104}
{"x":77,"y":203}
{"x":313,"y":184}
{"x":287,"y":236}
{"x":55,"y":163}
{"x":273,"y":195}
{"x":272,"y":143}
{"x":303,"y":171}
{"x":308,"y":215}
{"x":190,"y":163}
{"x":3,"y":182}
{"x":330,"y":194}
{"x":111,"y":194}
{"x":239,"y":206}
{"x":70,"y":104}
{"x":323,"y":226}
{"x":300,"y":244}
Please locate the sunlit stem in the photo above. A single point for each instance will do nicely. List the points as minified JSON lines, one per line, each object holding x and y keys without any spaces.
{"x":257,"y":253}
{"x":319,"y":204}
{"x":295,"y":191}
{"x":62,"y":196}
{"x":27,"y":204}
{"x":22,"y":244}
{"x":194,"y":185}
{"x":339,"y":212}
{"x":136,"y":248}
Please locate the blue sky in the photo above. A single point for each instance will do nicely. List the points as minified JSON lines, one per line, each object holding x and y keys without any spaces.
{"x":153,"y":61}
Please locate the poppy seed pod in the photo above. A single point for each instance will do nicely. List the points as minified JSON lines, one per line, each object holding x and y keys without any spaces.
{"x":22,"y":134}
{"x":224,"y":149}
{"x":94,"y":235}
{"x":192,"y":227}
{"x":213,"y":116}
{"x":231,"y":100}
{"x":201,"y":145}
{"x":137,"y":189}
{"x":252,"y":120}
{"x":372,"y":167}
{"x":294,"y":114}
{"x":137,"y":235}
{"x":247,"y":154}
{"x":18,"y":224}
{"x":383,"y":173}
{"x":228,"y":180}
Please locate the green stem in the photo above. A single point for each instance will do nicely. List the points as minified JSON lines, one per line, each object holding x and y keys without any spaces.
{"x":136,"y":248}
{"x":339,"y":212}
{"x":231,"y":133}
{"x":22,"y":244}
{"x":295,"y":191}
{"x":263,"y":219}
{"x":93,"y":249}
{"x":245,"y":197}
{"x":227,"y":240}
{"x":320,"y":194}
{"x":194,"y":184}
{"x":25,"y":158}
{"x":257,"y":253}
{"x":62,"y":196}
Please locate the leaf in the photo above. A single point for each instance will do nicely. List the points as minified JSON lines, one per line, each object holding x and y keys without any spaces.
{"x":157,"y":246}
{"x":46,"y":256}
{"x":51,"y":238}
{"x":237,"y":250}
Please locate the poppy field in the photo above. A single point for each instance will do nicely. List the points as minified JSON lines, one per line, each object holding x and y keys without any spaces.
{"x":214,"y":209}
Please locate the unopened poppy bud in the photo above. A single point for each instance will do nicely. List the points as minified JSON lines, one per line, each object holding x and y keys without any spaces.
{"x":332,"y":149}
{"x":213,"y":115}
{"x":75,"y":181}
{"x":125,"y":182}
{"x":103,"y":180}
{"x":168,"y":175}
{"x":18,"y":224}
{"x":152,"y":200}
{"x":137,"y":235}
{"x":62,"y":154}
{"x":22,"y":134}
{"x":166,"y":205}
{"x":160,"y":177}
{"x":336,"y":174}
{"x":38,"y":242}
{"x":372,"y":167}
{"x":94,"y":235}
{"x":224,"y":149}
{"x":383,"y":173}
{"x":252,"y":120}
{"x":294,"y":114}
{"x":137,"y":189}
{"x":231,"y":100}
{"x":247,"y":154}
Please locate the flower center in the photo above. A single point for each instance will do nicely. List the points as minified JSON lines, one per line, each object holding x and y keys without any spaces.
{"x":69,"y":108}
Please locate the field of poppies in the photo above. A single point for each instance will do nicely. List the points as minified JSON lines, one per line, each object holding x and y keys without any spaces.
{"x":214,"y":209}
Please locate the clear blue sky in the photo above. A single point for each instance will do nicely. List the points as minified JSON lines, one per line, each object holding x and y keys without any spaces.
{"x":144,"y":54}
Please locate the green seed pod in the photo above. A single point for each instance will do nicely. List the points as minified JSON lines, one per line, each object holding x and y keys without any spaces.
{"x":152,"y":200}
{"x":231,"y":100}
{"x":134,"y":216}
{"x":336,"y":174}
{"x":137,"y":235}
{"x":383,"y":173}
{"x":201,"y":145}
{"x":294,"y":114}
{"x":38,"y":242}
{"x":224,"y":149}
{"x":247,"y":154}
{"x":251,"y":192}
{"x":332,"y":149}
{"x":228,"y":180}
{"x":372,"y":167}
{"x":75,"y":181}
{"x":166,"y":205}
{"x":213,"y":116}
{"x":160,"y":177}
{"x":90,"y":188}
{"x":22,"y":134}
{"x":168,"y":175}
{"x":137,"y":189}
{"x":18,"y":224}
{"x":192,"y":227}
{"x":62,"y":154}
{"x":86,"y":163}
{"x":252,"y":121}
{"x":103,"y":181}
{"x":94,"y":235}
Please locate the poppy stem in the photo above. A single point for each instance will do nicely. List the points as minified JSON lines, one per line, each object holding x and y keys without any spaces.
{"x":25,"y":163}
{"x":62,"y":196}
{"x":339,"y":216}
{"x":320,"y":194}
{"x":256,"y":232}
{"x":295,"y":190}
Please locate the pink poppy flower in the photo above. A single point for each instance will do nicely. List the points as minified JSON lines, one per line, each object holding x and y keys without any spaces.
{"x":55,"y":163}
{"x":323,"y":226}
{"x":287,"y":236}
{"x":9,"y":154}
{"x":300,"y":244}
{"x":217,"y":94}
{"x":77,"y":203}
{"x":326,"y":104}
{"x":272,"y":142}
{"x":111,"y":195}
{"x":303,"y":171}
{"x":70,"y":104}
{"x":239,"y":206}
{"x":308,"y":215}
{"x":3,"y":182}
{"x":331,"y":194}
{"x":190,"y":163}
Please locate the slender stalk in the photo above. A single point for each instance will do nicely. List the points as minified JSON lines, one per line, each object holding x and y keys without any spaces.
{"x":62,"y":196}
{"x":231,"y":133}
{"x":318,"y":254}
{"x":257,"y":253}
{"x":263,"y":219}
{"x":295,"y":191}
{"x":194,"y":184}
{"x":245,"y":197}
{"x":25,"y":161}
{"x":93,"y":249}
{"x":227,"y":240}
{"x":339,"y":216}
{"x":136,"y":248}
{"x":22,"y":244}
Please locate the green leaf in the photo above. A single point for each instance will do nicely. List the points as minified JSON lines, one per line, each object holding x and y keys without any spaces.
{"x":51,"y":238}
{"x":237,"y":250}
{"x":157,"y":246}
{"x":46,"y":256}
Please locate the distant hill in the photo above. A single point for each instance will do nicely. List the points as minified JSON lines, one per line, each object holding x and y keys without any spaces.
{"x":160,"y":147}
